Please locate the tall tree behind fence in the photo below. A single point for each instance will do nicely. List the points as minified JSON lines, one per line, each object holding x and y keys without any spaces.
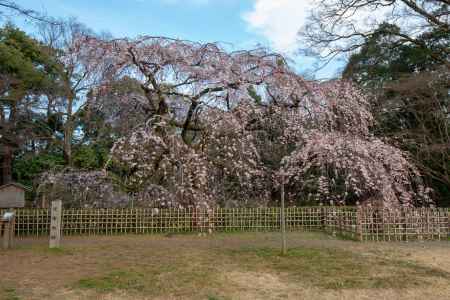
{"x":351,"y":222}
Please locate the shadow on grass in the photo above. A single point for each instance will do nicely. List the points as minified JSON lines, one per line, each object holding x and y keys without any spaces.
{"x":194,"y":270}
{"x":339,"y":269}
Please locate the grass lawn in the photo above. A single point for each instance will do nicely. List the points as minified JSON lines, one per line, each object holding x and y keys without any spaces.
{"x":224,"y":266}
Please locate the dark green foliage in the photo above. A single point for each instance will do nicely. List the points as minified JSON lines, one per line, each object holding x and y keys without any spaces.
{"x":90,"y":157}
{"x":26,"y":168}
{"x":384,"y":57}
{"x":410,"y":85}
{"x":28,"y":72}
{"x":25,"y":62}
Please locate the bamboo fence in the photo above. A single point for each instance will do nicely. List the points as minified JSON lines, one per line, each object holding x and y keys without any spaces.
{"x":342,"y":221}
{"x":404,"y":224}
{"x":365,"y":224}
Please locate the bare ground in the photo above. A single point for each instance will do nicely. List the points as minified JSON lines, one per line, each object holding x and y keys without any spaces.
{"x":224,"y":266}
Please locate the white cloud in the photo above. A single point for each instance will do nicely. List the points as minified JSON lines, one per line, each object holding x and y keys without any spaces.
{"x":278,"y":21}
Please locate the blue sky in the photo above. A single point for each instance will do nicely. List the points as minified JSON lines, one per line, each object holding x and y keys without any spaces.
{"x":242,"y":24}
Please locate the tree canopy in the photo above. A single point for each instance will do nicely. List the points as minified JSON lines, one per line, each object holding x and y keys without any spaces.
{"x":28,"y":71}
{"x":162,"y":122}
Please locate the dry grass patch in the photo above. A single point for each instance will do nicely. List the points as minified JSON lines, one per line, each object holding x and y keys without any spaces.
{"x":223,"y":266}
{"x":334,"y":268}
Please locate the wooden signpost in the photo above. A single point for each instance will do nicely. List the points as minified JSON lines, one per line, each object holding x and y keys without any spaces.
{"x":8,"y":223}
{"x":55,"y":224}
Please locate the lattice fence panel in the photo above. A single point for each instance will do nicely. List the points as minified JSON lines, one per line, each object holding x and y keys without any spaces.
{"x":341,"y":221}
{"x":31,"y":222}
{"x":368,"y":224}
{"x":404,"y":224}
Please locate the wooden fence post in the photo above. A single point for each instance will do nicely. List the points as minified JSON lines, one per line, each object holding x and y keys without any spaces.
{"x":55,"y":224}
{"x":12,"y":228}
{"x":8,"y":233}
{"x":283,"y":220}
{"x":447,"y":212}
{"x":359,"y":220}
{"x":322,"y":217}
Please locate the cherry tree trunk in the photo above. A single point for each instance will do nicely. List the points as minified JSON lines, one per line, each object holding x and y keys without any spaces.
{"x":68,"y":133}
{"x":6,"y":158}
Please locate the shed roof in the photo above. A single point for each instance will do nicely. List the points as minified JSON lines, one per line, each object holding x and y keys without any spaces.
{"x":16,"y":184}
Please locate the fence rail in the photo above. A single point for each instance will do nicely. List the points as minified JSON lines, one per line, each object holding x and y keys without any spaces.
{"x":356,"y":223}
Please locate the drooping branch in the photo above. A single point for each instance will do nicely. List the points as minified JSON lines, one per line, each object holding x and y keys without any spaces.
{"x":335,"y":28}
{"x":249,"y":114}
{"x":28,"y":13}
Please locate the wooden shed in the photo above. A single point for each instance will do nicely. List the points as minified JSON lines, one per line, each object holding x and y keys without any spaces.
{"x":12,"y":195}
